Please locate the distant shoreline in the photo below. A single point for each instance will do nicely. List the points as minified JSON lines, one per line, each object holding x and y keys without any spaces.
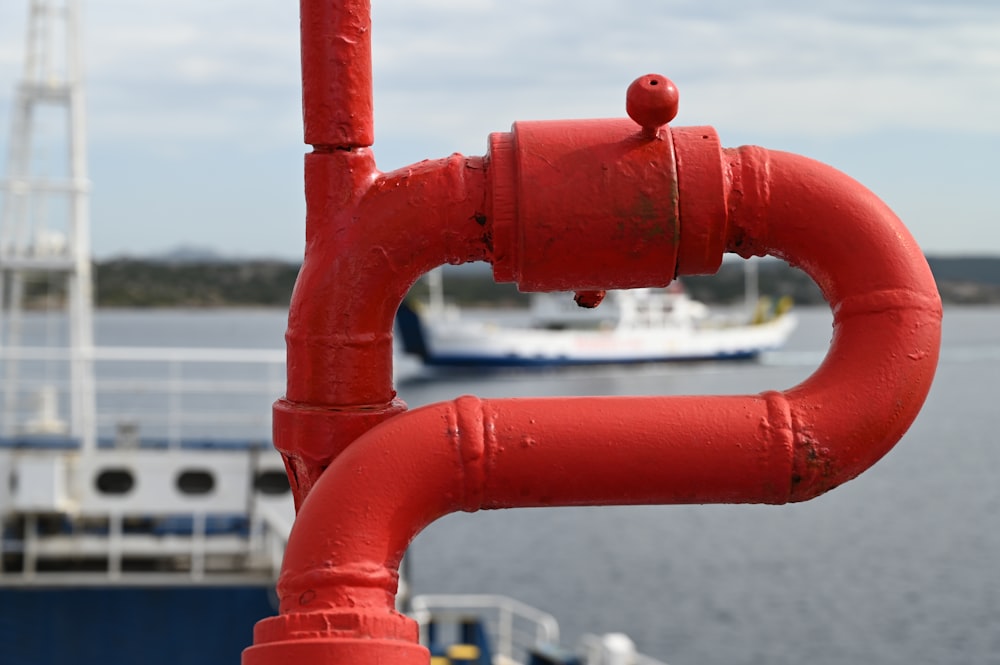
{"x":262,"y":284}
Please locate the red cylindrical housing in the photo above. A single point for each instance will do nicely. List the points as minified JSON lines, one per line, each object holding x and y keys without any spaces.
{"x":583,"y":205}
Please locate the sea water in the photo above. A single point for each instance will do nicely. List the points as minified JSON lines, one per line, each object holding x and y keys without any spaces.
{"x":901,"y":565}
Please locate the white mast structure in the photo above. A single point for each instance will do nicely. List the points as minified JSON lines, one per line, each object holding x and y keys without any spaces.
{"x":44,"y":221}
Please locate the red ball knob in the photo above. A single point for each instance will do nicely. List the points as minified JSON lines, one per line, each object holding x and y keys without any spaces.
{"x":652,"y":101}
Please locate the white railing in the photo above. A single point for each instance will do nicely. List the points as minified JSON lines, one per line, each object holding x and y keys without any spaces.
{"x":272,"y":527}
{"x":162,"y":393}
{"x":109,"y":552}
{"x":513,"y":627}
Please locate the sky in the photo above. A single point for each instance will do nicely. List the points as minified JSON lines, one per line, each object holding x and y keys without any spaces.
{"x":195,"y":117}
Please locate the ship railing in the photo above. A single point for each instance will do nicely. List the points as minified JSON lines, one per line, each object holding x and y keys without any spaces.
{"x":192,"y":548}
{"x":512,"y":627}
{"x":162,"y":396}
{"x":271,"y":535}
{"x":146,"y":515}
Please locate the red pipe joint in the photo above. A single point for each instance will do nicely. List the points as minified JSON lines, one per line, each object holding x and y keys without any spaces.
{"x":369,"y":237}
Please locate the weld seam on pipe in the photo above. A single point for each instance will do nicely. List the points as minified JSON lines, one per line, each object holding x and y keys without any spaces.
{"x":467,"y":412}
{"x":781,"y":428}
{"x":884,"y":300}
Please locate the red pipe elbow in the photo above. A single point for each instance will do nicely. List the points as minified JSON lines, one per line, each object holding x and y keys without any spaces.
{"x":887,"y":311}
{"x":369,"y":236}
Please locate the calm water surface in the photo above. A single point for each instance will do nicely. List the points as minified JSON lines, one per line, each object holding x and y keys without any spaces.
{"x":897,"y":566}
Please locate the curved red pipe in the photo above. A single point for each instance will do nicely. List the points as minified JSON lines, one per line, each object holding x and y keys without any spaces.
{"x":886,"y":307}
{"x":772,"y":448}
{"x":369,"y":237}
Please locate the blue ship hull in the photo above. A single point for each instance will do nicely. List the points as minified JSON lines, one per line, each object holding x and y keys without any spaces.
{"x":176,"y":625}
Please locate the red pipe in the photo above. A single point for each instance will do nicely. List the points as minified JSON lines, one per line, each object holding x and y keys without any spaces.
{"x":337,"y":73}
{"x":353,"y":277}
{"x":887,"y":311}
{"x":562,"y":205}
{"x":369,"y":237}
{"x":772,"y":448}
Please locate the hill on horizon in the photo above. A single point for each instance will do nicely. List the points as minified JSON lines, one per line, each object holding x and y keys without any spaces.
{"x":198,"y":277}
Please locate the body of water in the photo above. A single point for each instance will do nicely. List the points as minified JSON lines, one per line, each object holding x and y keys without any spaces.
{"x":901,"y":565}
{"x":898,"y":566}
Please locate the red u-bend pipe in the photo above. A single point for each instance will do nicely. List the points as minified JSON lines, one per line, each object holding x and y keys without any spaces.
{"x":557,"y":205}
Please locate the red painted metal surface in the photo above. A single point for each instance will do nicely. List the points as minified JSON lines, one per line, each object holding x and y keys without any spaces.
{"x":575,"y":205}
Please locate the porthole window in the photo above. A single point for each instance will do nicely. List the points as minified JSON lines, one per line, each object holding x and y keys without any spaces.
{"x":271,"y":483}
{"x":195,"y":481}
{"x":114,"y":481}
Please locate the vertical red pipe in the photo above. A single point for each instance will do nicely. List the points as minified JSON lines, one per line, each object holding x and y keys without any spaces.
{"x":369,"y":236}
{"x":337,"y":73}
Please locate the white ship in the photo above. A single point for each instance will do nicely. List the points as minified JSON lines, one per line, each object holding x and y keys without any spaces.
{"x":634,"y":326}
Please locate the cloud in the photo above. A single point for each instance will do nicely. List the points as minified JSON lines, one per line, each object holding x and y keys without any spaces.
{"x":442,"y":66}
{"x":187,"y":76}
{"x":828,"y":67}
